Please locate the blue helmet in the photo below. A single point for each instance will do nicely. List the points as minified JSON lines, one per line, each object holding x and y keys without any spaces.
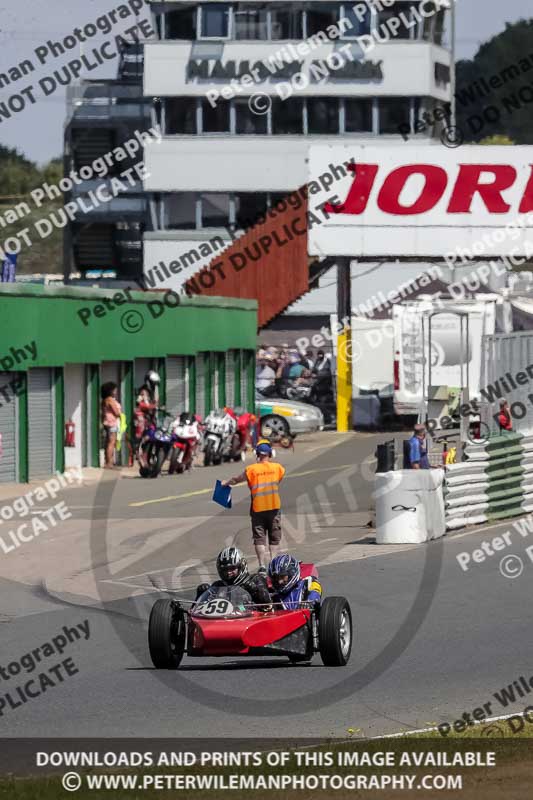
{"x":263,"y":448}
{"x":284,"y":572}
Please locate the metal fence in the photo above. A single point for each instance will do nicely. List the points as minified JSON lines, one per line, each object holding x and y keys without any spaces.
{"x":507,"y":372}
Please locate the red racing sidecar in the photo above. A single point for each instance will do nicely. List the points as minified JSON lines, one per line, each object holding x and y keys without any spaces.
{"x":225,"y":622}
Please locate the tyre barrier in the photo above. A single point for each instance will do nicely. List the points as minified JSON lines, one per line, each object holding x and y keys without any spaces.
{"x":495,"y":482}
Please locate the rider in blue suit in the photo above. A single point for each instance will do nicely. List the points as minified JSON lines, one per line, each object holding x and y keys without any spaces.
{"x":290,"y":589}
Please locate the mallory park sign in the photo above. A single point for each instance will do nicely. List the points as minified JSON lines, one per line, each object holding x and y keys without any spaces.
{"x":214,"y":70}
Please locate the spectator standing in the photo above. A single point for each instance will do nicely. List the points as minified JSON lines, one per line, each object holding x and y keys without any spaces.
{"x":145,"y":412}
{"x":417,"y":449}
{"x":308,"y":360}
{"x":9,"y":267}
{"x":322,"y":364}
{"x":505,"y":420}
{"x":111,"y":411}
{"x":297,"y":368}
{"x":286,"y":367}
{"x":265,"y":375}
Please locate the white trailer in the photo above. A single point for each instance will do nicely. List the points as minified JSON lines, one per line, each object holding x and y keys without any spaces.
{"x":391,"y":356}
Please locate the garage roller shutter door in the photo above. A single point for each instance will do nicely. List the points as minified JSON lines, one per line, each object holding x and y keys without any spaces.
{"x":230,"y":378}
{"x":8,"y":429}
{"x":176,"y":402}
{"x":244,"y":382}
{"x":200,"y":385}
{"x":142,"y":366}
{"x":40,"y":423}
{"x":210,"y":381}
{"x":110,"y":372}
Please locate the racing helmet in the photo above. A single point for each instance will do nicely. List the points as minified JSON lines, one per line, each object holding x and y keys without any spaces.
{"x":284,"y":572}
{"x":232,"y":566}
{"x":152,"y":378}
{"x":185,"y":418}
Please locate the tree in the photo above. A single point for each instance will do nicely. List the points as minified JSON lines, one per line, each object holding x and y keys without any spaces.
{"x":53,"y":171}
{"x":494,"y":92}
{"x":19,"y":177}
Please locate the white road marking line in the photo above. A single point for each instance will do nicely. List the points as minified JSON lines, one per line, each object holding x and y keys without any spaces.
{"x":479,"y":529}
{"x":436,"y":727}
{"x":169,"y":497}
{"x":205,"y":491}
{"x":314,"y":471}
{"x":348,"y":555}
{"x":449,"y":537}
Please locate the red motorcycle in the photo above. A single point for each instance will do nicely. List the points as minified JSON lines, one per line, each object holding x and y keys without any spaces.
{"x":243,"y":436}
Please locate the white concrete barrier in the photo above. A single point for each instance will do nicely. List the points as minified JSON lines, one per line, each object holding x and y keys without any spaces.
{"x":409,"y":506}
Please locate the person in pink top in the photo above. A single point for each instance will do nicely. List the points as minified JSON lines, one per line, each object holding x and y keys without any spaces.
{"x":111,"y":411}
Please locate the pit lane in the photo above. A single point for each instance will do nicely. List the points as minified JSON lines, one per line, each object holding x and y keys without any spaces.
{"x":117,"y":693}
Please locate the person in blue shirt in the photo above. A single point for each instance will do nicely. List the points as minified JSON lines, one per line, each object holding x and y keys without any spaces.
{"x":289,"y":588}
{"x":418,"y":453}
{"x":9,"y":267}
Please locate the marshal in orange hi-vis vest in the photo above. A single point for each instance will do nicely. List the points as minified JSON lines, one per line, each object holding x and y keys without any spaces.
{"x":263,"y":480}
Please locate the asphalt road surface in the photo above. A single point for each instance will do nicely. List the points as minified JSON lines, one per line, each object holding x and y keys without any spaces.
{"x":431,"y":640}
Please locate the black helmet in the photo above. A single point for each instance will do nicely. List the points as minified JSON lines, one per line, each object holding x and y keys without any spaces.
{"x":232,"y":566}
{"x":185,"y":418}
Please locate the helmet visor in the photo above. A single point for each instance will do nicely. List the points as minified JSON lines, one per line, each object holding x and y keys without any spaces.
{"x":280,"y":580}
{"x":230,"y":573}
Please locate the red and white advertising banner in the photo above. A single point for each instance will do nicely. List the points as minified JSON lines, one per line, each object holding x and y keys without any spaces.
{"x":426,"y":200}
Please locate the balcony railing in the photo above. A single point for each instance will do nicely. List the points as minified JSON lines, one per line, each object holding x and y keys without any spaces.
{"x":106,"y":100}
{"x":117,"y":207}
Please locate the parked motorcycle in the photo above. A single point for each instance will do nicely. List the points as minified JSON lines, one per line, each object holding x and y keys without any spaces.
{"x":185,"y":441}
{"x":220,"y":428}
{"x":299,"y":392}
{"x":243,"y":437}
{"x":155,"y":446}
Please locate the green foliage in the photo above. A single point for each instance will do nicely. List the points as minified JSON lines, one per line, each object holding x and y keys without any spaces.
{"x":10,"y":154}
{"x":497,"y":139}
{"x":494,"y":93}
{"x":19,"y":177}
{"x":53,"y":171}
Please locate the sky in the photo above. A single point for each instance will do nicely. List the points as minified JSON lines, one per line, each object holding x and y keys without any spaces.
{"x":25,"y":25}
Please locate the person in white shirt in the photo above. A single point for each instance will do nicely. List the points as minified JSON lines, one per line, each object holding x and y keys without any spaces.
{"x":265,"y":375}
